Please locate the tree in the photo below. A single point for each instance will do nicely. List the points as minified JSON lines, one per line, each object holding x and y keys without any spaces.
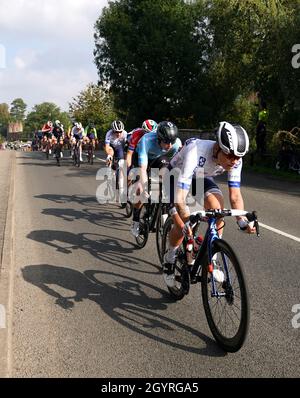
{"x":251,"y":51}
{"x":198,"y":61}
{"x":93,"y":105}
{"x":17,"y":110}
{"x":4,"y":118}
{"x":146,"y":54}
{"x":41,"y":113}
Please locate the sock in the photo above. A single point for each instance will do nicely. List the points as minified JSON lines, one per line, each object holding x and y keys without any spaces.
{"x":171,"y":254}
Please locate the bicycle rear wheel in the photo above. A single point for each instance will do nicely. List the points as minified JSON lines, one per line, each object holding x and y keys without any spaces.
{"x":76,"y":157}
{"x":227,"y":313}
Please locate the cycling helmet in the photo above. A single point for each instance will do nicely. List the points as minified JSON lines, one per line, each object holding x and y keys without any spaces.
{"x":57,"y":123}
{"x":78,"y":125}
{"x":233,"y":139}
{"x":117,"y":125}
{"x":167,"y":132}
{"x":149,"y":125}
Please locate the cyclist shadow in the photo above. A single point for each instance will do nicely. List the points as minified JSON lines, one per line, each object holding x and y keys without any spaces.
{"x":124,"y":300}
{"x":107,"y":219}
{"x":83,"y":200}
{"x":107,"y":249}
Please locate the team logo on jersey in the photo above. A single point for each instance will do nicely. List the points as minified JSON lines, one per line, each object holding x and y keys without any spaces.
{"x":189,"y":141}
{"x":202,"y":161}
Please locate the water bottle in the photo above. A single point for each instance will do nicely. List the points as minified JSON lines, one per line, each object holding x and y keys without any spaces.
{"x":163,"y":218}
{"x":189,"y":251}
{"x":197,"y":244}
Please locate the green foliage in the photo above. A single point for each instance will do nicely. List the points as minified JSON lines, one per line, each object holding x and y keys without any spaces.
{"x":17,"y":110}
{"x":243,"y":112}
{"x":41,"y":113}
{"x":4,"y":118}
{"x":145,"y":53}
{"x":93,"y":105}
{"x":196,"y":61}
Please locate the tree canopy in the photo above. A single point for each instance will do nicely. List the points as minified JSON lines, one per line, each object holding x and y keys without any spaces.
{"x":18,"y":110}
{"x":41,"y":113}
{"x":196,"y":62}
{"x":93,"y":106}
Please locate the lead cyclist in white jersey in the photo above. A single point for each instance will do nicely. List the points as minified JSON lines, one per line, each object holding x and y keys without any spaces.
{"x":115,"y":140}
{"x":212,"y":158}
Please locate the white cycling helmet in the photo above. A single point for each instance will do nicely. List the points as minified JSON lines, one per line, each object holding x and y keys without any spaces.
{"x":233,"y":138}
{"x":117,"y":125}
{"x":78,"y":125}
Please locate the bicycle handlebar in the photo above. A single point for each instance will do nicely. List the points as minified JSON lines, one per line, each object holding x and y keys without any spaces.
{"x":203,"y":215}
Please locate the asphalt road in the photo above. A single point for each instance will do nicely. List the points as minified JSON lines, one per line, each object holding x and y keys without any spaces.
{"x":87,"y":303}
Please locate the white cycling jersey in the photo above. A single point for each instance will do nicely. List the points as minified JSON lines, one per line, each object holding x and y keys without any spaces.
{"x":197,"y":154}
{"x":115,"y":140}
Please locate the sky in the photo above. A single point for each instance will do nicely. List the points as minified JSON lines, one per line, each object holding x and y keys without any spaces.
{"x":46,"y":49}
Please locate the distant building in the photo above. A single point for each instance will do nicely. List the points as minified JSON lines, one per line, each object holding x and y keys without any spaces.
{"x":14,"y":130}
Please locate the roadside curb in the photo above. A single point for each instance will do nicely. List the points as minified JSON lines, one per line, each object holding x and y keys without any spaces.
{"x":6,"y":280}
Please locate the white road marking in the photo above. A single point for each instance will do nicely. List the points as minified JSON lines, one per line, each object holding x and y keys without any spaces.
{"x":2,"y":317}
{"x":277,"y":231}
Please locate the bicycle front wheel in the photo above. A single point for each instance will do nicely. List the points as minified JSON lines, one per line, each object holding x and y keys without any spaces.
{"x":162,"y":216}
{"x":142,"y":238}
{"x":128,"y":209}
{"x":227,"y":308}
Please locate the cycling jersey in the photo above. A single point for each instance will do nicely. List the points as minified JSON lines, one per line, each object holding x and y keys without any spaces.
{"x":114,"y":140}
{"x":47,"y":131}
{"x":136,"y":135}
{"x":57,"y":132}
{"x":77,"y":132}
{"x":197,"y":154}
{"x":149,"y":149}
{"x":91,"y":133}
{"x":117,"y":142}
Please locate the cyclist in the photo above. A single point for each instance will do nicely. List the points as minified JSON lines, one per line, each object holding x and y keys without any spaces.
{"x":148,"y":126}
{"x":213,"y":158}
{"x":47,"y":133}
{"x":77,"y":135}
{"x":90,"y":134}
{"x":154,"y":150}
{"x":115,"y":140}
{"x":58,"y":136}
{"x":114,"y":147}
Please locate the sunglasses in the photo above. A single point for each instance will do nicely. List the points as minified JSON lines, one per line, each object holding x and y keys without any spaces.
{"x":233,"y":157}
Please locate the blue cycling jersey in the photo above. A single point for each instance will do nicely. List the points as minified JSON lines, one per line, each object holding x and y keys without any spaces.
{"x":148,"y":149}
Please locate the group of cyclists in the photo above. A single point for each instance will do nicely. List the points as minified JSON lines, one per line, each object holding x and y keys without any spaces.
{"x":158,"y":146}
{"x":54,"y":138}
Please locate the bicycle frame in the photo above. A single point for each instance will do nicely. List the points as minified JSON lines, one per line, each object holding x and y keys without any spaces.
{"x":211,"y":236}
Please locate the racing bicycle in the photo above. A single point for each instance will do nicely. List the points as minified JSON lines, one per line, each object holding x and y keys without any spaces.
{"x":217,"y":267}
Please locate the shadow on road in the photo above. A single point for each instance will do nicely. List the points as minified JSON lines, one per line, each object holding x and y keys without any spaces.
{"x":111,"y":220}
{"x":83,"y":200}
{"x":107,"y":249}
{"x":122,"y":298}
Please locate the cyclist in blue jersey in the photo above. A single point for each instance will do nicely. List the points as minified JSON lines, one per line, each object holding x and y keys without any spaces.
{"x":154,"y":150}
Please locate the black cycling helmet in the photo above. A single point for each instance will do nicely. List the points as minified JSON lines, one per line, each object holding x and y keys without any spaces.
{"x":167,"y":132}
